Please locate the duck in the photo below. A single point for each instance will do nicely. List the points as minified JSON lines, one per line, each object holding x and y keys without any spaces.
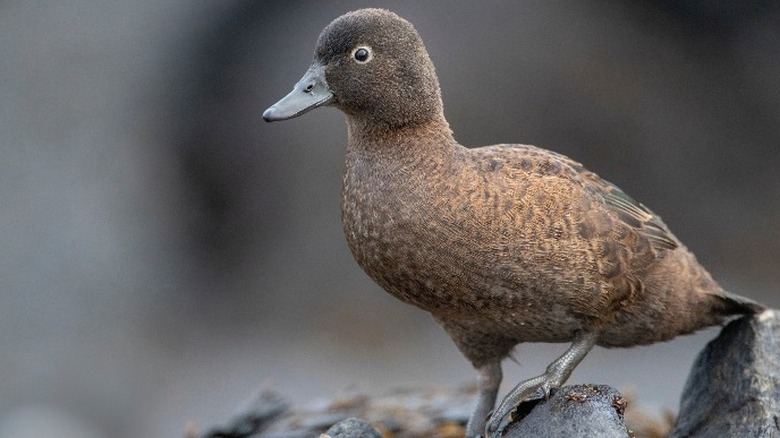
{"x":502,"y":244}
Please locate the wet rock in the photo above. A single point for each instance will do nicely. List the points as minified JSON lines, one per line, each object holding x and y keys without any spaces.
{"x":573,"y":411}
{"x":734,"y":385}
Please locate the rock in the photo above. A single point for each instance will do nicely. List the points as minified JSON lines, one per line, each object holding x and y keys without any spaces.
{"x":351,"y":428}
{"x":573,"y":411}
{"x":255,"y":416}
{"x":734,"y":386}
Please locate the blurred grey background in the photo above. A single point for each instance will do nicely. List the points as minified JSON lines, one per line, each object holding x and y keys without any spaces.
{"x":164,"y":253}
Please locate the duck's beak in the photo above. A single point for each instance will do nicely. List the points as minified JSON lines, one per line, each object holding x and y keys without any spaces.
{"x":309,"y":93}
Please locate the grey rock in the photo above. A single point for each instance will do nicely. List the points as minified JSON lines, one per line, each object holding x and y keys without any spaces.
{"x":352,"y":428}
{"x":574,"y":411}
{"x":255,"y":416}
{"x":734,"y":385}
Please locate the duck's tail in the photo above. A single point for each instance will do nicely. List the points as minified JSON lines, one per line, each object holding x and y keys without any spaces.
{"x":734,"y":304}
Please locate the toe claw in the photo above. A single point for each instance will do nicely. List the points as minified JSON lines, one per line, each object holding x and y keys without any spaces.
{"x":492,"y":426}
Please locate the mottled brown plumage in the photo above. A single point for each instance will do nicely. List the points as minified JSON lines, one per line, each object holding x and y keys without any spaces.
{"x":502,"y":244}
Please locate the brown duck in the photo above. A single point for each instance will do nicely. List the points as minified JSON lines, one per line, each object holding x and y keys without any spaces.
{"x":502,"y":244}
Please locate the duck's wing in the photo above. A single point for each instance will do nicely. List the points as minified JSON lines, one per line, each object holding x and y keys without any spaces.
{"x":631,"y":212}
{"x":625,"y":208}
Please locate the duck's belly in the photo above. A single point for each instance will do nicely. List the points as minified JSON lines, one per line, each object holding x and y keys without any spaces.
{"x":496,"y":287}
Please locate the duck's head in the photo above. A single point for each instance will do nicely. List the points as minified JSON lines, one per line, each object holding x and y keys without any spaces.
{"x":373,"y":66}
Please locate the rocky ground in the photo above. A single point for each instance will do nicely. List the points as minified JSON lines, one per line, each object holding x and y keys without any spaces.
{"x":733,"y":389}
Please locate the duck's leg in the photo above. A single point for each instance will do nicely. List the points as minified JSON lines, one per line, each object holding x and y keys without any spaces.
{"x":488,"y":380}
{"x":556,"y":374}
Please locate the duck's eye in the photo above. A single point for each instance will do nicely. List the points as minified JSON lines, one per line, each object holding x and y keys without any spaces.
{"x":362,"y":54}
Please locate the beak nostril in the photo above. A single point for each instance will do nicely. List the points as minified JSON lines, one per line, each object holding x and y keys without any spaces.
{"x":309,"y":88}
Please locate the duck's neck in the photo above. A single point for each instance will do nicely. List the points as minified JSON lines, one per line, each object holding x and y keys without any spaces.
{"x":429,"y":139}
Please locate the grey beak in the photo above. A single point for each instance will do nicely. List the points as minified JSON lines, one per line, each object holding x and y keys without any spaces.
{"x":310,"y":92}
